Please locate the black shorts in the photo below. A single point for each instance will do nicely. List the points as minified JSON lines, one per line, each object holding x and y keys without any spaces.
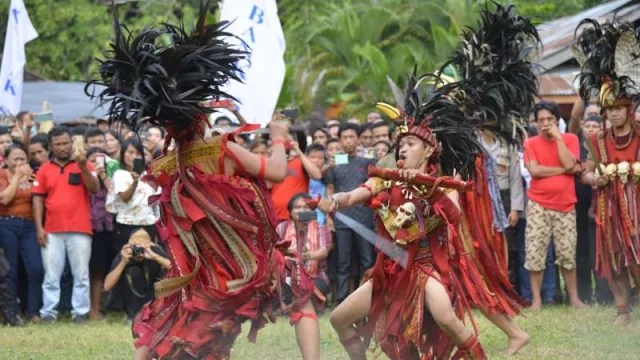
{"x":101,"y":251}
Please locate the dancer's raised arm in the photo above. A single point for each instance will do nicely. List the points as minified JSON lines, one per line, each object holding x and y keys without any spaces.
{"x":360,"y":195}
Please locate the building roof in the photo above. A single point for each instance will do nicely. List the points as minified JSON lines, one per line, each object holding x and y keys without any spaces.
{"x":558,"y":35}
{"x":67,"y":100}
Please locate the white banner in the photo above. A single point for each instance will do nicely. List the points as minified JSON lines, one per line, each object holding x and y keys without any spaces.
{"x":256,"y":22}
{"x":19,"y":32}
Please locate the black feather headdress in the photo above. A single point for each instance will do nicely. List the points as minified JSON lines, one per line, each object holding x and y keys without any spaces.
{"x":609,"y":63}
{"x":163,"y":75}
{"x":493,"y":78}
{"x":429,"y":114}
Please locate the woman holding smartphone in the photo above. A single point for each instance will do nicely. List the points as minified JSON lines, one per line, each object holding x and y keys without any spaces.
{"x":129,"y":197}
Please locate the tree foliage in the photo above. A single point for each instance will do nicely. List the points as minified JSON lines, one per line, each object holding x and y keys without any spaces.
{"x":73,"y":33}
{"x":338,"y":51}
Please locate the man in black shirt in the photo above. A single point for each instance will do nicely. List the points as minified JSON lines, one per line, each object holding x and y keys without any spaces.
{"x":345,"y":177}
{"x":142,"y":263}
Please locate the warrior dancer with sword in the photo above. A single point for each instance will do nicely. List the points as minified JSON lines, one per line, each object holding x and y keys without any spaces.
{"x":417,"y":310}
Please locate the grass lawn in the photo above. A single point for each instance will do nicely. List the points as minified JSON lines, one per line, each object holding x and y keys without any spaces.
{"x":557,"y":333}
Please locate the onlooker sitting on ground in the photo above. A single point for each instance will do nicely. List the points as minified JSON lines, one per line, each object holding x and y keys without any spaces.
{"x":129,"y":197}
{"x":62,"y":189}
{"x":143,"y":263}
{"x":17,"y":231}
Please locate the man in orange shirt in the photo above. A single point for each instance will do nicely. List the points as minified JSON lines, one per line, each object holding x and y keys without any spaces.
{"x":551,"y":158}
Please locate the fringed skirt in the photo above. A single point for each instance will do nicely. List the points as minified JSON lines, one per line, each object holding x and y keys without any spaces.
{"x":220,"y":236}
{"x":617,"y":215}
{"x":399,"y":321}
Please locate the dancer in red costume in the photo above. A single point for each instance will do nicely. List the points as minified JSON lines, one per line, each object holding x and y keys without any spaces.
{"x":218,"y":222}
{"x":607,"y":54}
{"x":455,"y":262}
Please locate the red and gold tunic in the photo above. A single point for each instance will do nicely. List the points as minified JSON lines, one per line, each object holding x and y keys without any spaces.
{"x":219,"y":232}
{"x":426,"y":227}
{"x":617,"y":207}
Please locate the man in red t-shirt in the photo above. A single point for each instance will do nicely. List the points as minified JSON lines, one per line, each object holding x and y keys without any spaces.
{"x":551,"y":158}
{"x":62,"y":187}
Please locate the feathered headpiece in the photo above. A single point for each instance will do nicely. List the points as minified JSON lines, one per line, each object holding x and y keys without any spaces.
{"x":608,"y":56}
{"x":495,"y":82}
{"x":488,"y":84}
{"x":429,"y":114}
{"x":163,"y":75}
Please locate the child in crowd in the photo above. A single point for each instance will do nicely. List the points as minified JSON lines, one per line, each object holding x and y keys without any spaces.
{"x":382,"y":149}
{"x":259,"y":148}
{"x":315,"y":153}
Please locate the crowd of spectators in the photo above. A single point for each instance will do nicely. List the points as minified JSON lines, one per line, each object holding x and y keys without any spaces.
{"x":78,"y":235}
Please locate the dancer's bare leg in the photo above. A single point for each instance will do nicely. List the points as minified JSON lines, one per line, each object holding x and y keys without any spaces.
{"x":518,"y":338}
{"x":620,"y":290}
{"x":143,"y":353}
{"x":439,"y":305}
{"x":353,"y":309}
{"x":308,"y":333}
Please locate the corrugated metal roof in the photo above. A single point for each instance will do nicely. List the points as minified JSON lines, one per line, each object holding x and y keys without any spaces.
{"x":551,"y":85}
{"x":67,"y":100}
{"x":558,"y":35}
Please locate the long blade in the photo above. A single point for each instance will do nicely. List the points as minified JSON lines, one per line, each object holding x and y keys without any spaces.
{"x":398,"y":254}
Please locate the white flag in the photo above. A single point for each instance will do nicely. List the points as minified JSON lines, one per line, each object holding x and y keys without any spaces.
{"x":19,"y":32}
{"x":256,"y":22}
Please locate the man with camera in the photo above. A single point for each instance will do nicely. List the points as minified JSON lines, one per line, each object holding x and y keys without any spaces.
{"x":142,"y":263}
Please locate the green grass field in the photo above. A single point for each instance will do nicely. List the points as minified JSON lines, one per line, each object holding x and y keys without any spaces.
{"x":557,"y":333}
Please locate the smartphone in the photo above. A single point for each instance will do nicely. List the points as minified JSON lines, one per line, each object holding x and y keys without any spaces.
{"x":308,"y":216}
{"x":138,"y":166}
{"x":100,"y":160}
{"x":78,"y":143}
{"x":341,"y":159}
{"x":292,"y":114}
{"x":43,"y":116}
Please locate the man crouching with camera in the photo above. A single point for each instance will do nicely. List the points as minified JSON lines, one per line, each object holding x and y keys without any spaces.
{"x":139,"y":265}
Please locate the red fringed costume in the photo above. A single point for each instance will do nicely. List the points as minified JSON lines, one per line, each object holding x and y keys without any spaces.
{"x":218,"y":227}
{"x":607,"y":54}
{"x":617,"y":208}
{"x":220,"y":235}
{"x":426,"y":224}
{"x":484,"y":258}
